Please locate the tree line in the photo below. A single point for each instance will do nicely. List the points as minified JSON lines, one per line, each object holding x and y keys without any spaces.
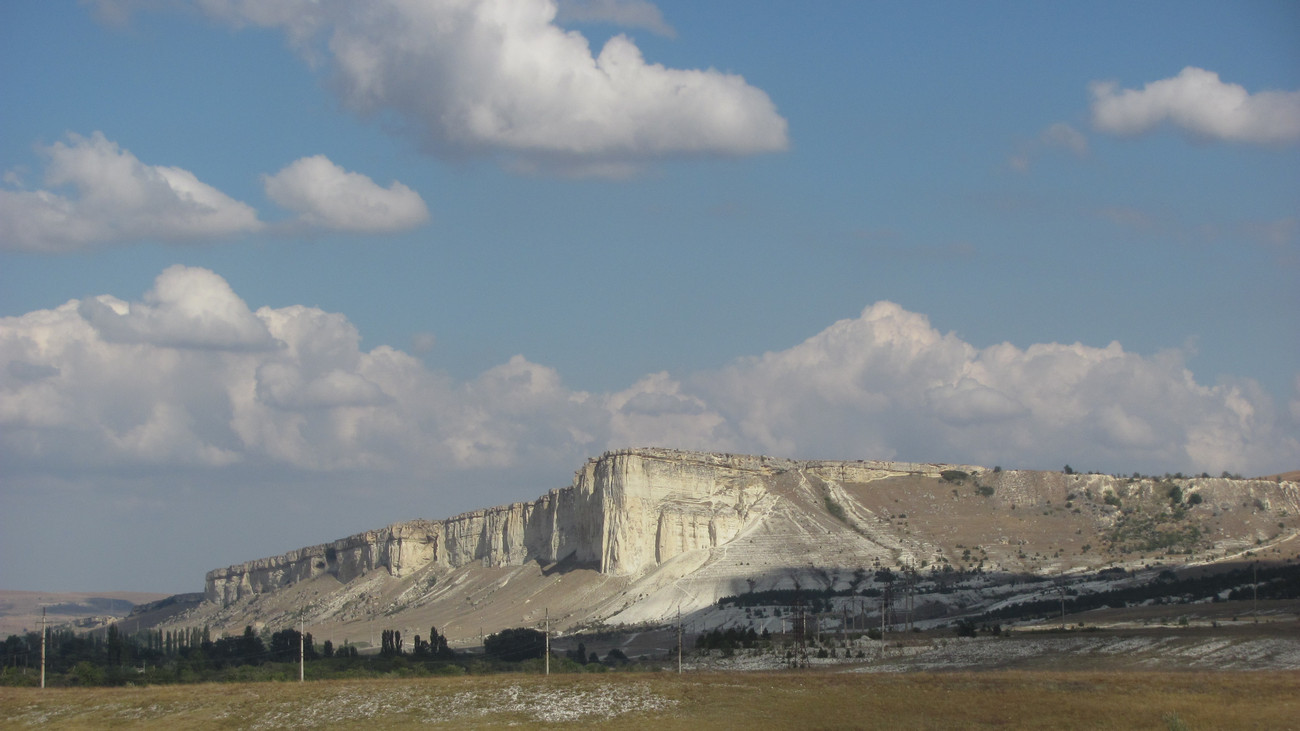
{"x":157,"y":657}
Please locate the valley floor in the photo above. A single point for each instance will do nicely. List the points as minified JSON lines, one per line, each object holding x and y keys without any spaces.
{"x":800,"y":699}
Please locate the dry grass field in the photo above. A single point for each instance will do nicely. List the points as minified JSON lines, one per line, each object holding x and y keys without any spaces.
{"x":803,"y":700}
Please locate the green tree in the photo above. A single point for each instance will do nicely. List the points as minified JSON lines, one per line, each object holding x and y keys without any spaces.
{"x":513,"y":645}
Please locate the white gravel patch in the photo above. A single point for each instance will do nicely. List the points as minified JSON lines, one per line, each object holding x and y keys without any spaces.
{"x":538,"y":704}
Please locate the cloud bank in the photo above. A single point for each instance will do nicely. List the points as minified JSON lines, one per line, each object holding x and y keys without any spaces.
{"x":1197,"y":102}
{"x":191,"y":377}
{"x":114,"y":198}
{"x":501,"y":77}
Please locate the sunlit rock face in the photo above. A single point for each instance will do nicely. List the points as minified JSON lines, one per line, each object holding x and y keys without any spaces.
{"x":625,"y":512}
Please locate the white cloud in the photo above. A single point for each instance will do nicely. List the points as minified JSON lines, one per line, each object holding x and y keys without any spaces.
{"x":626,"y":13}
{"x":116,"y":198}
{"x":499,"y":76}
{"x":190,"y":378}
{"x":325,"y":195}
{"x":656,"y":410}
{"x":887,"y":384}
{"x":1199,"y":103}
{"x":187,"y":308}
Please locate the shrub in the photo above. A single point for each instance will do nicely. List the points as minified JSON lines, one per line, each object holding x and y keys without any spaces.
{"x":985,"y":490}
{"x":953,"y":475}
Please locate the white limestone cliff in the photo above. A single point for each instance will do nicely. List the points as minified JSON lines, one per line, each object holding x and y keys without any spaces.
{"x":626,"y":512}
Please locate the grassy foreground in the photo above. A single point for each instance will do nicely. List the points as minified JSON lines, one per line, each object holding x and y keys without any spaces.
{"x":803,"y":700}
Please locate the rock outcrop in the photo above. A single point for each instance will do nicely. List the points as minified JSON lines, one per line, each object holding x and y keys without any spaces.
{"x":626,"y":512}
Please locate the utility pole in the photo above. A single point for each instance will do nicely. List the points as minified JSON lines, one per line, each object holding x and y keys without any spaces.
{"x":911,"y":592}
{"x":679,"y":640}
{"x":884,"y":612}
{"x":43,"y":630}
{"x":548,"y":640}
{"x":302,"y":638}
{"x":1060,"y":590}
{"x":1254,"y":587}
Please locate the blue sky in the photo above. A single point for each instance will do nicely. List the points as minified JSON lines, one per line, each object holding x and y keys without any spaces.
{"x":308,"y":259}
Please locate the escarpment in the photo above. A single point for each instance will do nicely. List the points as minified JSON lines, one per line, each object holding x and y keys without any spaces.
{"x":665,"y":529}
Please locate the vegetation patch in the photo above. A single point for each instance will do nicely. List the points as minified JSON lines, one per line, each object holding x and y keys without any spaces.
{"x":1154,"y":532}
{"x":836,"y":510}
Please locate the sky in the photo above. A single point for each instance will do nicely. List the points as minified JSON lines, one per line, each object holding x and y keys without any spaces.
{"x":274,"y":272}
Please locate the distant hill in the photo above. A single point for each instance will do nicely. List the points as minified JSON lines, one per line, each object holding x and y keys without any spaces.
{"x":1292,"y":476}
{"x":20,"y":611}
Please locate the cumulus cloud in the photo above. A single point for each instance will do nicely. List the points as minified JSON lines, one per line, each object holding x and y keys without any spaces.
{"x":190,"y":377}
{"x":888,"y":384}
{"x":325,"y":195}
{"x":187,"y":308}
{"x":657,"y":410}
{"x":499,"y":76}
{"x":114,"y":197}
{"x":1200,"y":104}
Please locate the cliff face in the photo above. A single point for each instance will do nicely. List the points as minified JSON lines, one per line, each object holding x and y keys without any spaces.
{"x":624,"y":512}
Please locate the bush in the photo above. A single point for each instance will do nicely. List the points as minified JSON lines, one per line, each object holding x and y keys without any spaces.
{"x":953,"y":475}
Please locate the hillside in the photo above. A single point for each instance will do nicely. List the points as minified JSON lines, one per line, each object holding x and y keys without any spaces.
{"x":643,"y":534}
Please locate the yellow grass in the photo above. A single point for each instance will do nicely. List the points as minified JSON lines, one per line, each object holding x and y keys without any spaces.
{"x":793,"y":700}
